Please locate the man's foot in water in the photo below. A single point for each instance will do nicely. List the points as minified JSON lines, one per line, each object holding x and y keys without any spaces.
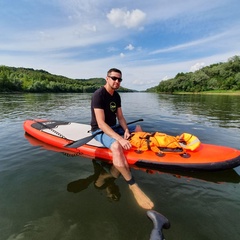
{"x":142,"y":199}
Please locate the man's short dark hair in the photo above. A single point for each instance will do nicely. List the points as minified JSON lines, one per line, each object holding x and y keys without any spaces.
{"x":114,"y":70}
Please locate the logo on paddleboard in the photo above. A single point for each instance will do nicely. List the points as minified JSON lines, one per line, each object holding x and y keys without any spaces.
{"x":48,"y":123}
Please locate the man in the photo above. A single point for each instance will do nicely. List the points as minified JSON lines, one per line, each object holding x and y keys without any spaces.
{"x":106,"y":108}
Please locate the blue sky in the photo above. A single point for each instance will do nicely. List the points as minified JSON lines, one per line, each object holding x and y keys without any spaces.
{"x":148,"y":40}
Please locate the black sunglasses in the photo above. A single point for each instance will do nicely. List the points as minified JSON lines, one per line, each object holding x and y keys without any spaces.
{"x":115,"y":78}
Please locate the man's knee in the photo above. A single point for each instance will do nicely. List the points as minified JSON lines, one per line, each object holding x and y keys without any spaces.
{"x":116,"y":147}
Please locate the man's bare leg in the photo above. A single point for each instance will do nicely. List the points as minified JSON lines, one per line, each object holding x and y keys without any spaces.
{"x":142,"y":199}
{"x":121,"y":165}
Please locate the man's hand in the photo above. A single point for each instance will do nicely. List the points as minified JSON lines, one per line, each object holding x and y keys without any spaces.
{"x":126,"y":134}
{"x":125,"y":143}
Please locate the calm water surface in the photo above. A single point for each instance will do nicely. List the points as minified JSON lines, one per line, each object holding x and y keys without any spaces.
{"x":49,"y":195}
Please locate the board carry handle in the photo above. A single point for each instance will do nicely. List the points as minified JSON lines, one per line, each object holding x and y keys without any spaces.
{"x":82,"y":141}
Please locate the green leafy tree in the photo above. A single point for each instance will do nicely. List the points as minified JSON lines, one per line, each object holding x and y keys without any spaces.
{"x":220,"y":76}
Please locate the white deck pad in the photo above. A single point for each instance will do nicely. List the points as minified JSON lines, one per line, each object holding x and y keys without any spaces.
{"x":73,"y":131}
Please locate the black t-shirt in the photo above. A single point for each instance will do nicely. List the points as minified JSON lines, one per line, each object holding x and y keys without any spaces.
{"x":109,"y":103}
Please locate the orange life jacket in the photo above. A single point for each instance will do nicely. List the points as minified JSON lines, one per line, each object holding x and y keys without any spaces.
{"x":188,"y":141}
{"x":161,"y":142}
{"x":156,"y":142}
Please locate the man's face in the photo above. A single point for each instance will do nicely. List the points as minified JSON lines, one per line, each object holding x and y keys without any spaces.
{"x":114,"y":79}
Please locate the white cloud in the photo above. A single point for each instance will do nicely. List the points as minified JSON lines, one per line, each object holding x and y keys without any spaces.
{"x":129,"y":47}
{"x":73,"y":37}
{"x":197,"y":66}
{"x":89,"y":27}
{"x":187,"y":45}
{"x":112,"y":49}
{"x":119,"y":17}
{"x":165,"y":78}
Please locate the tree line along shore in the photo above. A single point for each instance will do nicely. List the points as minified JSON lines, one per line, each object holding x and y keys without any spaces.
{"x":216,"y":78}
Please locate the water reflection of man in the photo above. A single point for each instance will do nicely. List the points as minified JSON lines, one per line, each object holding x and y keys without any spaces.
{"x":102,"y":180}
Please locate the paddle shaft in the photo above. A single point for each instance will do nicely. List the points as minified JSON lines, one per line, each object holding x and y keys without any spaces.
{"x":82,"y":141}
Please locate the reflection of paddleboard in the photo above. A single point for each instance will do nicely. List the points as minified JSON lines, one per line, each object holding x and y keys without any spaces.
{"x":207,"y":157}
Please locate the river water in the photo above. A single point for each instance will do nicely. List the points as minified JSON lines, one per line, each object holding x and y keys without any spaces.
{"x":49,"y":195}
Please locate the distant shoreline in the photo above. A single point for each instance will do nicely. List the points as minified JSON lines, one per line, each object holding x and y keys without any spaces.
{"x":218,"y":92}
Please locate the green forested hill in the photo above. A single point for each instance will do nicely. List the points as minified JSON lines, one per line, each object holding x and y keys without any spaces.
{"x":29,"y":80}
{"x":220,"y":76}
